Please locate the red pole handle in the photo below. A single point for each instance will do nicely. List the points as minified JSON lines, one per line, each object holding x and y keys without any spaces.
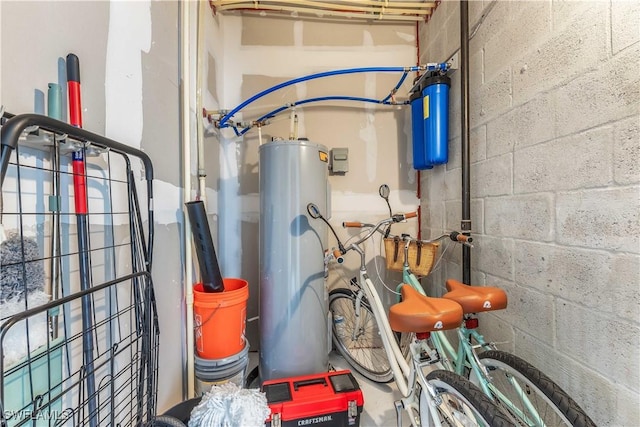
{"x":79,"y":183}
{"x":73,"y":85}
{"x":75,"y":119}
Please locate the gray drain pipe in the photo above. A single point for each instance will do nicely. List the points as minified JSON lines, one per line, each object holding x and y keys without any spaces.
{"x":465,"y":224}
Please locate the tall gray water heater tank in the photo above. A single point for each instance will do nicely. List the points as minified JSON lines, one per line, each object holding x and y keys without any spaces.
{"x":294,"y":333}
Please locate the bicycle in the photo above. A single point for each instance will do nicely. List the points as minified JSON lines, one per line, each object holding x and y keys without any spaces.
{"x":523,"y":392}
{"x":436,"y":398}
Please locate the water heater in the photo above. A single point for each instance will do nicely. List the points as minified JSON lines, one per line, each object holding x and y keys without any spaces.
{"x":294,"y":333}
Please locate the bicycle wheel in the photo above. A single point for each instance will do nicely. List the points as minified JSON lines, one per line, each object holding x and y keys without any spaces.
{"x":404,"y":340}
{"x":459,"y":403}
{"x":553,"y":406}
{"x":363,"y":349}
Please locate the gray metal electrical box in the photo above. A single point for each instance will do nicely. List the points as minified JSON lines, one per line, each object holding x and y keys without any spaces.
{"x":339,"y":161}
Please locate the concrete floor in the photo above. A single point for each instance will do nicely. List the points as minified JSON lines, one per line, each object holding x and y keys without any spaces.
{"x":379,"y":409}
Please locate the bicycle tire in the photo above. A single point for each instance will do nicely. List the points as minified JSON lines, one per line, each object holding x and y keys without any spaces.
{"x":461,"y":403}
{"x":365,"y":353}
{"x":553,"y":404}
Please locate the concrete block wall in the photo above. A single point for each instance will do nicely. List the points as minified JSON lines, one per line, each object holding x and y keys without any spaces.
{"x":555,"y":185}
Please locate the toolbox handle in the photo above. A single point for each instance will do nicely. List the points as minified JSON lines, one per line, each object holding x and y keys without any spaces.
{"x":313,"y":381}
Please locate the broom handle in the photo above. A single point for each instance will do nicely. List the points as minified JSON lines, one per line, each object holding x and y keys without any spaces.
{"x":80,"y":198}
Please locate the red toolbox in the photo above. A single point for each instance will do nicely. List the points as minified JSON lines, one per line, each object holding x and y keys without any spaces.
{"x":326,"y":399}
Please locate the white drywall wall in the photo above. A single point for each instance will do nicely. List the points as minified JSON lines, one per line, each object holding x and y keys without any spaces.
{"x":128,"y":68}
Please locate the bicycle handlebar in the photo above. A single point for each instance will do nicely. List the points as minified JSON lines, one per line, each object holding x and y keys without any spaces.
{"x":455,"y":236}
{"x":459,"y":237}
{"x":355,"y":224}
{"x":394,"y":218}
{"x":374,"y":228}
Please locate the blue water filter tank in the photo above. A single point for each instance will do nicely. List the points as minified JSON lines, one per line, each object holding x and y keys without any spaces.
{"x":435,"y":110}
{"x":417,"y":130}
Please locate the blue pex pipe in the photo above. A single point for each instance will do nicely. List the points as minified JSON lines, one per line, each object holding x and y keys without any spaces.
{"x":227,"y":117}
{"x":318,"y":99}
{"x":395,"y":89}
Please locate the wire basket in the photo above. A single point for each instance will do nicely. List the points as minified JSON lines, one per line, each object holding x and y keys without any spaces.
{"x":421,"y":255}
{"x":74,"y":355}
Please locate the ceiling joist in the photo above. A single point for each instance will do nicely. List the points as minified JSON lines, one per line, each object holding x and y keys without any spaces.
{"x":382,"y":10}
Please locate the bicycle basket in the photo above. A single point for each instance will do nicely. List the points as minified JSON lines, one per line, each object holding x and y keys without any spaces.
{"x":421,"y":255}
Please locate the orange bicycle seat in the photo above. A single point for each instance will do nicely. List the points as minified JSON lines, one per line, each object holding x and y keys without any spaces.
{"x":475,"y":299}
{"x":418,"y":313}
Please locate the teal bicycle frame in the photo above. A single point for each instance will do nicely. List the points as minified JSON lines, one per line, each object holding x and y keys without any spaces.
{"x":465,"y":359}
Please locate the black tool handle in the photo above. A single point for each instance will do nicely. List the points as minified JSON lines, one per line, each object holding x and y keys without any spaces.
{"x":207,"y":259}
{"x":313,"y":381}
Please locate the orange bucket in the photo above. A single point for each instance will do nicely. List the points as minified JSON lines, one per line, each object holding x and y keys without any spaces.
{"x":220,"y":319}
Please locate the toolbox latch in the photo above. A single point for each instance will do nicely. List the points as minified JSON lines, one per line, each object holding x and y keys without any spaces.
{"x":275,"y":420}
{"x":353,"y":409}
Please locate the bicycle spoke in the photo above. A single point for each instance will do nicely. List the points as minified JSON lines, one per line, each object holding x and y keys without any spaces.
{"x":527,"y":395}
{"x":365,"y":343}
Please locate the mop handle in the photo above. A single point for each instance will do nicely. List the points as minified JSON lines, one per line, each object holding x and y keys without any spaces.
{"x":75,"y":119}
{"x":80,"y":196}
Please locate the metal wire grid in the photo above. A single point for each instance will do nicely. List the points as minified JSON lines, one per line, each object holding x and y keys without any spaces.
{"x":45,"y":363}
